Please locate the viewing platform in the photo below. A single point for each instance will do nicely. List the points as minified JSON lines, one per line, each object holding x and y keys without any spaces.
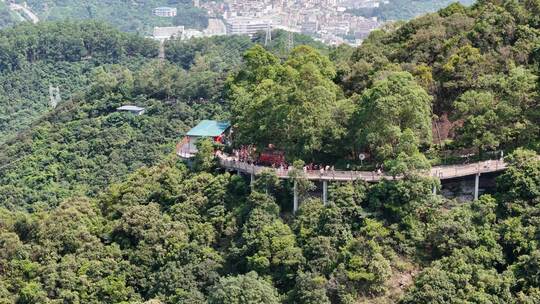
{"x":325,"y":176}
{"x":440,"y":172}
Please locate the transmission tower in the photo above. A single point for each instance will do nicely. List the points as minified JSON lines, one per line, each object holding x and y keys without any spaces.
{"x":54,"y":96}
{"x":290,"y":34}
{"x":290,"y":41}
{"x":268,"y":36}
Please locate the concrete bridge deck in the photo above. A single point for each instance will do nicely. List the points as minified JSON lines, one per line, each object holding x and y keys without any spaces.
{"x":441,"y":172}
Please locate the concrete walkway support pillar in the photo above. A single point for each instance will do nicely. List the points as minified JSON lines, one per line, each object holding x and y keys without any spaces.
{"x":476,"y":185}
{"x":325,"y":192}
{"x":252,"y":180}
{"x":435,"y":185}
{"x":295,"y":199}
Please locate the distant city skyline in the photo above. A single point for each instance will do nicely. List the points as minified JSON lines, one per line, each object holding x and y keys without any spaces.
{"x":326,"y":20}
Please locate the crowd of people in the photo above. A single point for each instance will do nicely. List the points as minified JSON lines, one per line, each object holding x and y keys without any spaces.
{"x":244,"y":154}
{"x":248,"y":155}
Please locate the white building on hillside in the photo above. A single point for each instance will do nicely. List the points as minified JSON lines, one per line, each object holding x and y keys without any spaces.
{"x":168,"y":32}
{"x":163,"y":34}
{"x":131,"y":109}
{"x":165,"y":11}
{"x":247,"y":25}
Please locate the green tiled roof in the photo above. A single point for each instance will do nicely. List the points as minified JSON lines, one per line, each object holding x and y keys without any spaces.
{"x":209,"y":128}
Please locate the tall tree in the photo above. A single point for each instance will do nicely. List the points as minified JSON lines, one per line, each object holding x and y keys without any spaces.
{"x":503,"y":114}
{"x":394,"y":104}
{"x":243,"y":289}
{"x":292,"y":105}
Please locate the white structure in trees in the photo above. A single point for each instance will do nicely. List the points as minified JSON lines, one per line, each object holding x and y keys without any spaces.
{"x":54,"y":96}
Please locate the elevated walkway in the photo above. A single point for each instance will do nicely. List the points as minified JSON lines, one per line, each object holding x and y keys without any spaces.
{"x":326,"y":176}
{"x":441,"y":172}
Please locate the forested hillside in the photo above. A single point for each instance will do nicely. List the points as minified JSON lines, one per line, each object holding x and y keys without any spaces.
{"x":480,"y":64}
{"x":460,"y":79}
{"x":405,"y":9}
{"x":96,"y":208}
{"x":131,"y":16}
{"x":84,"y":144}
{"x":6,"y":16}
{"x":185,"y":237}
{"x":60,"y":55}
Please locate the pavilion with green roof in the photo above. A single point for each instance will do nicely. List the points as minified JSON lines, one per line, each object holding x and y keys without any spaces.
{"x":209,"y":128}
{"x":218,"y":131}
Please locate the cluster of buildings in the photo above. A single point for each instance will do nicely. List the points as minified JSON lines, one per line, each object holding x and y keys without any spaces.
{"x":162,"y":33}
{"x":215,"y":27}
{"x":329,"y":21}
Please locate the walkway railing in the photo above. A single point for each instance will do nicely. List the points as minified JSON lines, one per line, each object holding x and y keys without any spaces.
{"x":455,"y":171}
{"x":441,"y":172}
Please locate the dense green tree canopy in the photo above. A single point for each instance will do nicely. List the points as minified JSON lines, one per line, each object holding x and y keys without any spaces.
{"x":132,"y":16}
{"x":395,"y":104}
{"x":248,"y":289}
{"x":491,"y":120}
{"x":96,"y":208}
{"x":404,"y":10}
{"x":7,"y":18}
{"x":62,"y":55}
{"x":295,"y":104}
{"x":467,"y":59}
